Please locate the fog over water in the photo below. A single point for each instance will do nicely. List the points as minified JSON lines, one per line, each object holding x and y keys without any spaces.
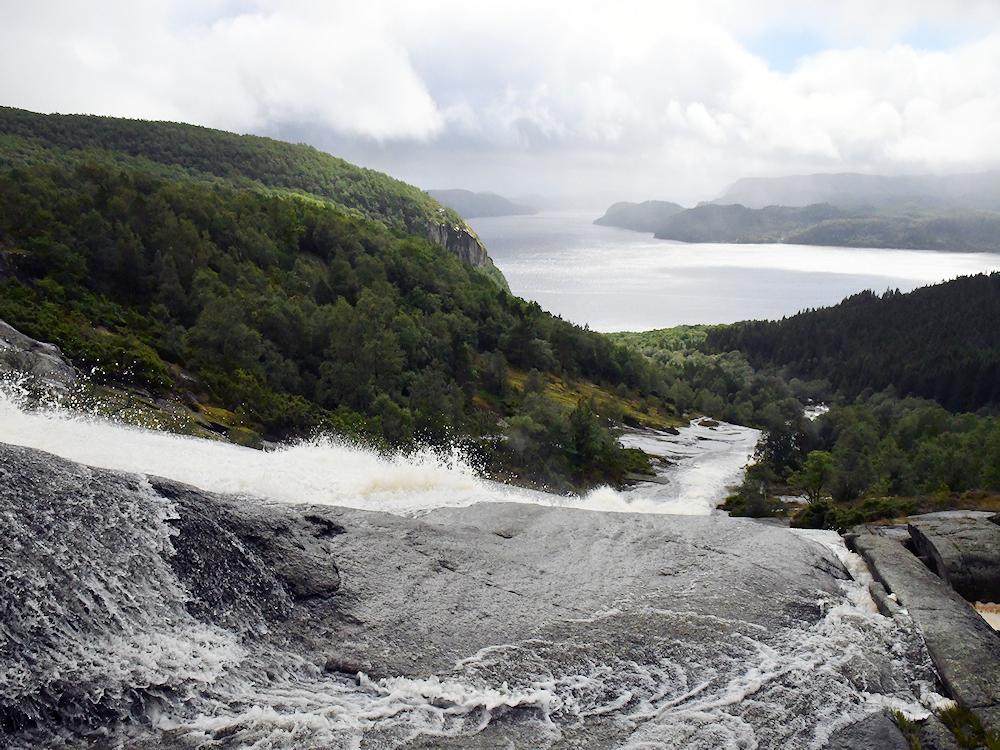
{"x":616,"y":279}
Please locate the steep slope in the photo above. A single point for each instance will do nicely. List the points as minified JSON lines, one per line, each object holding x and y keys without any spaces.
{"x":470,"y":205}
{"x":242,"y":160}
{"x":940,"y":342}
{"x":297,"y":315}
{"x":647,"y":216}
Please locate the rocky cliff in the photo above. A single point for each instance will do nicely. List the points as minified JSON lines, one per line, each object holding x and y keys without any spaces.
{"x":460,"y":240}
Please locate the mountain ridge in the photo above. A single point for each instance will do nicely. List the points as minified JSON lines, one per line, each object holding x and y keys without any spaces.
{"x":29,"y":137}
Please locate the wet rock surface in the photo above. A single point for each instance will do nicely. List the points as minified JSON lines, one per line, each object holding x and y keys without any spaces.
{"x":41,"y":362}
{"x":964,"y":648}
{"x":965,"y":552}
{"x":142,"y":612}
{"x":877,"y":731}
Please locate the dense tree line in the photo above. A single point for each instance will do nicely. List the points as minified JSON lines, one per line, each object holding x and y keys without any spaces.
{"x":940,"y":342}
{"x":879,"y":456}
{"x":301,"y":315}
{"x":722,"y":384}
{"x":28,"y":137}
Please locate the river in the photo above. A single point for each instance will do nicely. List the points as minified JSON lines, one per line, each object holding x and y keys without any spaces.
{"x":460,"y":614}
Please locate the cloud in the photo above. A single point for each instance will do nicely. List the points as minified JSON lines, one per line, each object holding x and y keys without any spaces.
{"x":332,"y":65}
{"x":637,"y":98}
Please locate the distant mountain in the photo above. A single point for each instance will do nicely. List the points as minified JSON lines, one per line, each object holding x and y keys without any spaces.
{"x":823,"y":224}
{"x":470,"y":204}
{"x":863,"y":191}
{"x":711,"y":223}
{"x":647,"y":216}
{"x":953,"y":229}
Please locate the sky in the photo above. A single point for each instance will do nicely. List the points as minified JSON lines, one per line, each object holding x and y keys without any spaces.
{"x":575,"y":101}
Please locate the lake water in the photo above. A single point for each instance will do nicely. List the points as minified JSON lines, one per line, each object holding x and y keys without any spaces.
{"x":615,"y":279}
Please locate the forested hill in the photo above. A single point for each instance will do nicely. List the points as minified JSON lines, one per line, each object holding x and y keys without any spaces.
{"x":276,"y":313}
{"x":940,"y":342}
{"x":239,"y":160}
{"x":951,"y":229}
{"x":647,"y":216}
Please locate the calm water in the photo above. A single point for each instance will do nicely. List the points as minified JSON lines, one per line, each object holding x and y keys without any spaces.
{"x":614,"y":279}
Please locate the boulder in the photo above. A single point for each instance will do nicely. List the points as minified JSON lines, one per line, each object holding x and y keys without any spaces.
{"x":965,"y":552}
{"x":42,"y":363}
{"x":964,"y":648}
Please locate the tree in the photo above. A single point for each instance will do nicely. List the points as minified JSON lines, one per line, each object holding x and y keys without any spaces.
{"x":814,"y":476}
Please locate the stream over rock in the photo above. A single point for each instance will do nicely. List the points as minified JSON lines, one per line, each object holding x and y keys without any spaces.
{"x":140,"y":612}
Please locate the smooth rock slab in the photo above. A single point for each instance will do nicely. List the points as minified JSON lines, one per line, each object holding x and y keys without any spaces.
{"x":965,"y":649}
{"x":138,"y":612}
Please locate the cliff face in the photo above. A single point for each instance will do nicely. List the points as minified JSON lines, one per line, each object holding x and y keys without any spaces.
{"x":462,"y":241}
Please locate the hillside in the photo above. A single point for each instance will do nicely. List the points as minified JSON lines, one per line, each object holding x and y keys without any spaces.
{"x":647,"y":216}
{"x":977,"y":191}
{"x":293,"y":314}
{"x":948,"y":231}
{"x":940,"y":342}
{"x":816,"y":224}
{"x":470,"y":205}
{"x":237,"y":160}
{"x":711,"y":223}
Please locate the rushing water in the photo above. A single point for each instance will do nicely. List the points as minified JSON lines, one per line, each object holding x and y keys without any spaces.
{"x":615,"y":279}
{"x":697,"y":465}
{"x":681,"y":633}
{"x":327,"y":471}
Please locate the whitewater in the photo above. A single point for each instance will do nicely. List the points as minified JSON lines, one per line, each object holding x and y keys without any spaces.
{"x":469,"y":614}
{"x":330,"y":471}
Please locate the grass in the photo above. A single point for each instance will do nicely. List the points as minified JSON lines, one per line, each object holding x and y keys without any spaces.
{"x":632,"y":409}
{"x":910,"y":730}
{"x":968,"y":729}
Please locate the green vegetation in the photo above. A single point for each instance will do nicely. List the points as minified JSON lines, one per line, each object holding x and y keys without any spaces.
{"x":968,"y":730}
{"x":873,"y":455}
{"x":297,"y":315}
{"x":719,"y":384}
{"x":877,"y":458}
{"x":910,"y":730}
{"x":240,"y":160}
{"x":941,"y":342}
{"x":881,"y":451}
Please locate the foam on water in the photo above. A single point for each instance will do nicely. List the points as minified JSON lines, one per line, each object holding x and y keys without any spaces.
{"x":322,"y":471}
{"x":679,"y":685}
{"x":702,"y":462}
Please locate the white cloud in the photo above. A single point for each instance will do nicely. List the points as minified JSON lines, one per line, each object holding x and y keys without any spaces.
{"x":639,"y":97}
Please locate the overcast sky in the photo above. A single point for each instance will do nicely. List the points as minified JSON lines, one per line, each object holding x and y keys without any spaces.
{"x":600,"y":101}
